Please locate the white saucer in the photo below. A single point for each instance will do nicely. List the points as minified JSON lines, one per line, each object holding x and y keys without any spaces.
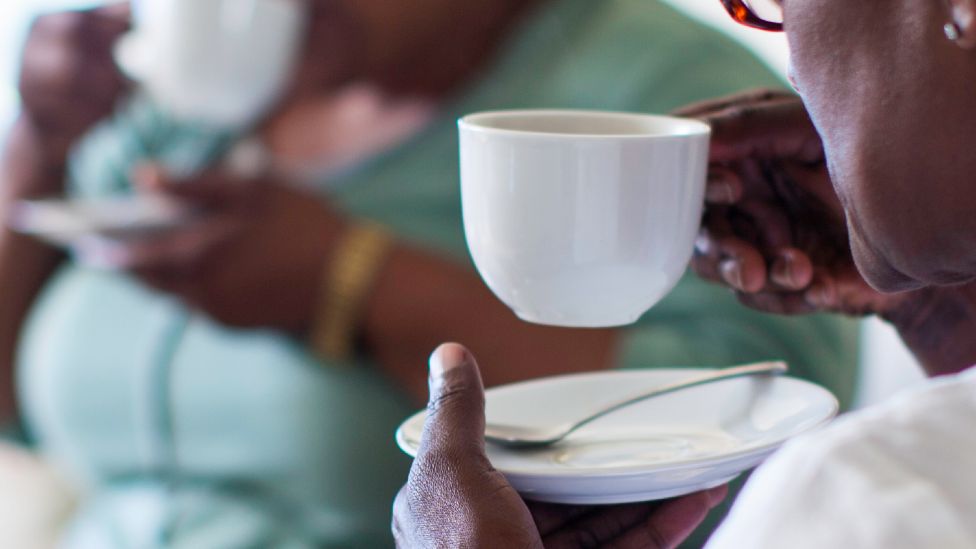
{"x":664,"y":447}
{"x":64,"y":222}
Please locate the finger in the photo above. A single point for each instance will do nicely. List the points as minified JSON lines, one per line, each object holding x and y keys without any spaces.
{"x":716,"y":227}
{"x":182,"y":247}
{"x":717,"y":495}
{"x":776,"y":129}
{"x":671,"y":523}
{"x":768,"y":224}
{"x":724,"y":186}
{"x":824,"y":292}
{"x":821,"y":293}
{"x":707,"y":257}
{"x":792,"y":270}
{"x":600,"y":526}
{"x":845,"y":292}
{"x":723,"y":257}
{"x":752,"y":97}
{"x":452,"y":488}
{"x":550,"y":517}
{"x":742,"y":267}
{"x":761,"y":179}
{"x":173,"y":280}
{"x":729,"y":261}
{"x":455,"y":425}
{"x":210,"y":189}
{"x":778,"y":303}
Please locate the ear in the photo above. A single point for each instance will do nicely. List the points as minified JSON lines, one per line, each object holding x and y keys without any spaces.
{"x":963,"y":14}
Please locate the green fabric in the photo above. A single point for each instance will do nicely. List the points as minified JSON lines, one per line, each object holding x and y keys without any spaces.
{"x":244,"y":440}
{"x":12,"y":433}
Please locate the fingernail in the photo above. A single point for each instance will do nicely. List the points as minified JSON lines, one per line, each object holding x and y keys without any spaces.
{"x":818,"y":296}
{"x":446,"y":358}
{"x":782,"y":271}
{"x":732,"y":274}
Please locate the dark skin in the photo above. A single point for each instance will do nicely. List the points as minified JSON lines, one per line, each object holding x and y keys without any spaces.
{"x":777,"y":234}
{"x":811,"y":212}
{"x":251,"y":223}
{"x":243,"y":266}
{"x":245,"y":214}
{"x":246,"y":246}
{"x":857,"y":200}
{"x":63,"y":95}
{"x":455,"y":498}
{"x":403,"y":50}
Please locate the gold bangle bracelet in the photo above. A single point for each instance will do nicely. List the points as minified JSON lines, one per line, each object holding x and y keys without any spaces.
{"x":349,"y":278}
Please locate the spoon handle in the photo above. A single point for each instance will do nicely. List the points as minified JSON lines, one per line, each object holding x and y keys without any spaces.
{"x":772,"y":368}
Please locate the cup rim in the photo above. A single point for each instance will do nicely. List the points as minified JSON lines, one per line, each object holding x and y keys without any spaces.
{"x":474,"y":122}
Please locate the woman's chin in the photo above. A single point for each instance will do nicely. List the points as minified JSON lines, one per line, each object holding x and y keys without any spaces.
{"x":890,"y":281}
{"x":879,"y":273}
{"x":885,"y":278}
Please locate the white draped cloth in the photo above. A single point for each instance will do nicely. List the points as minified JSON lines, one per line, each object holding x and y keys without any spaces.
{"x":896,"y":476}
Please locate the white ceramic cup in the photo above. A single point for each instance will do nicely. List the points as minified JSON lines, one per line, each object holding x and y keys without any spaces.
{"x":217,"y":62}
{"x":580,"y":218}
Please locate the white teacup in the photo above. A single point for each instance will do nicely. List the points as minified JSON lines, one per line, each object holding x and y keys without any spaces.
{"x":580,"y":218}
{"x":217,"y":62}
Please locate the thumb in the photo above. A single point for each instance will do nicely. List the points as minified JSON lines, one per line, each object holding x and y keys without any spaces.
{"x":455,"y":425}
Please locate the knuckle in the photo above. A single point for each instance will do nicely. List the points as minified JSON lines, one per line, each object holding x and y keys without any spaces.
{"x":453,"y":391}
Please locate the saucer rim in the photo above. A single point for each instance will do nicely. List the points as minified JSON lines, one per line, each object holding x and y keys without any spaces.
{"x":638,"y":470}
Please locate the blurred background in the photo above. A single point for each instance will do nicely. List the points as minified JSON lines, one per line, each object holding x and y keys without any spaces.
{"x":888,"y":367}
{"x":15,"y":16}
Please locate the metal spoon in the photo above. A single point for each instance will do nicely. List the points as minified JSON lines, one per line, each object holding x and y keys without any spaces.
{"x":513,"y":436}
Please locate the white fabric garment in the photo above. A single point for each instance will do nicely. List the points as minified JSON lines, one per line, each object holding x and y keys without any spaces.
{"x":901,"y":475}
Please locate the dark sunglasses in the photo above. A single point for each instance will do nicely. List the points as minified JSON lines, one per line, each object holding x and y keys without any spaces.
{"x":759,"y":14}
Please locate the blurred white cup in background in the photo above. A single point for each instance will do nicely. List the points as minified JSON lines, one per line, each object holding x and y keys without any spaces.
{"x":216,"y":62}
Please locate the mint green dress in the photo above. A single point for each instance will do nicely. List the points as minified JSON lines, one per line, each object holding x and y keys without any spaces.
{"x":192,"y":435}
